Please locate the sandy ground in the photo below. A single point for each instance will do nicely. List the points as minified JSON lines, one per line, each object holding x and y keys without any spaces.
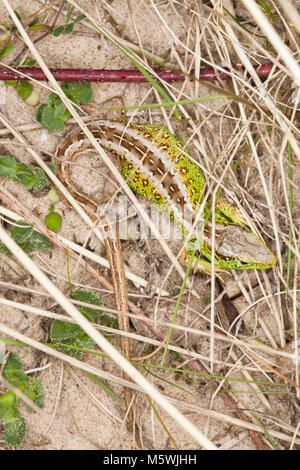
{"x":70,"y":418}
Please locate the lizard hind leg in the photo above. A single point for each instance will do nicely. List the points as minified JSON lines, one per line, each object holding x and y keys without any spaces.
{"x":230,"y":212}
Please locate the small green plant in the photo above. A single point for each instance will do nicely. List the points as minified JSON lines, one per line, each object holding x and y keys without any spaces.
{"x":78,"y":92}
{"x":15,"y":425}
{"x":26,"y":237}
{"x":70,"y":334}
{"x":32,"y":176}
{"x":53,"y":221}
{"x":67,"y":28}
{"x":24,"y":89}
{"x":32,"y":26}
{"x":53,"y":114}
{"x":6,"y":50}
{"x":28,"y":62}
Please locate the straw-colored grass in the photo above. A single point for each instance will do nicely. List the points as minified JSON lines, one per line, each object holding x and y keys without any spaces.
{"x":244,"y":135}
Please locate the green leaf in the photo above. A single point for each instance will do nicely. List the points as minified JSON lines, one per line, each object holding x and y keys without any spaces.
{"x":41,"y":179}
{"x":61,"y":331}
{"x":4,"y":249}
{"x":10,"y":82}
{"x":13,"y":374}
{"x":39,"y":112}
{"x":28,"y":62}
{"x":24,"y":175}
{"x":102,"y":385}
{"x":84,"y":92}
{"x":27,"y":238}
{"x":77,"y":338}
{"x":58,"y":31}
{"x":73,"y":349}
{"x":111,"y":322}
{"x":53,"y":114}
{"x":33,"y":177}
{"x":59,"y":110}
{"x":12,"y":371}
{"x":16,"y":377}
{"x":33,"y":22}
{"x":3,"y":37}
{"x":89,"y":298}
{"x":81,"y":91}
{"x":8,"y":406}
{"x":69,"y":28}
{"x":50,"y":122}
{"x":68,"y":15}
{"x":15,"y":432}
{"x":39,"y":393}
{"x":53,"y":100}
{"x":53,"y":221}
{"x":93,"y":314}
{"x":21,"y":232}
{"x":66,"y":115}
{"x":70,"y":95}
{"x":53,"y":196}
{"x":17,"y":15}
{"x":37,"y":242}
{"x":8,"y":165}
{"x":79,"y":18}
{"x":15,"y":428}
{"x":69,"y":333}
{"x":25,"y":89}
{"x":84,"y":341}
{"x":38,"y":27}
{"x":13,"y":362}
{"x":6,"y":50}
{"x":34,"y":391}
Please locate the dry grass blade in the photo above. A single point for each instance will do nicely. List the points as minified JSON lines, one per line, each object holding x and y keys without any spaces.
{"x":243,"y":134}
{"x":275,"y":39}
{"x":292,"y":13}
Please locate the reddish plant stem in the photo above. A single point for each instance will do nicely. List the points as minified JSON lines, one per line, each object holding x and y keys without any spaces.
{"x":79,"y":75}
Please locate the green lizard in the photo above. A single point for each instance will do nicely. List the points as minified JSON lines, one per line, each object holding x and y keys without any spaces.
{"x":156,"y":166}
